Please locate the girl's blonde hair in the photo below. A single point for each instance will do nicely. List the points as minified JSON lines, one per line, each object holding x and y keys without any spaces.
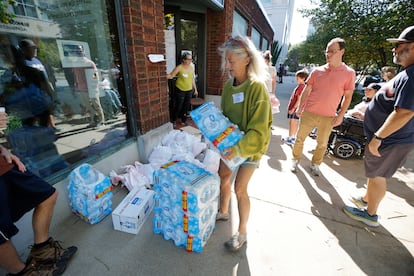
{"x":244,"y":47}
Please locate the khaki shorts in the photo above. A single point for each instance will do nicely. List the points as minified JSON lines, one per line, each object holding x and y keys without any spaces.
{"x":392,"y":158}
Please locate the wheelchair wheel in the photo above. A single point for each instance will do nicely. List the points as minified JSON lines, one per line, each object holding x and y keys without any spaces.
{"x":344,"y":150}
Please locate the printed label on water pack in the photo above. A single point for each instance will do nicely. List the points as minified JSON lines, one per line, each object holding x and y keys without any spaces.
{"x":223,"y":135}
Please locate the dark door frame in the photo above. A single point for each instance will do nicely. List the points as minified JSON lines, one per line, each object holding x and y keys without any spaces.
{"x":201,"y":53}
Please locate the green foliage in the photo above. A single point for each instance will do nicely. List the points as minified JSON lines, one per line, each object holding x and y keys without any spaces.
{"x":5,"y":16}
{"x":275,"y":50}
{"x":364,"y":25}
{"x":14,"y":123}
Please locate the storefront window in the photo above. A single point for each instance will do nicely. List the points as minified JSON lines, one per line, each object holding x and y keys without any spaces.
{"x":239,"y":25}
{"x":256,"y":38}
{"x":61,"y":82}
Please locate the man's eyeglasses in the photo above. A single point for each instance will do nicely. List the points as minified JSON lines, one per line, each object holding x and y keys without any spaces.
{"x":401,"y":43}
{"x":331,"y":52}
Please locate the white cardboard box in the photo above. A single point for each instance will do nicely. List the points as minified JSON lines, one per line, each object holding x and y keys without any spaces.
{"x":131,"y":213}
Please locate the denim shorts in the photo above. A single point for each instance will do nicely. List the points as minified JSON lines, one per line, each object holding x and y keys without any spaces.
{"x":292,"y":116}
{"x":250,"y":164}
{"x":20,"y":192}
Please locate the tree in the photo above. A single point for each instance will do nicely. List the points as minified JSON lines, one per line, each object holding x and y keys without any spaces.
{"x":5,"y":16}
{"x":363,"y":24}
{"x":275,"y":50}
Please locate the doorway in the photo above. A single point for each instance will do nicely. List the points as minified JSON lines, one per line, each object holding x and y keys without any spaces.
{"x":189,"y":33}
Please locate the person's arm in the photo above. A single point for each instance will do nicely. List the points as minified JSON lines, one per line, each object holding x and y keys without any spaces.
{"x":303,"y":99}
{"x":396,"y":120}
{"x":344,"y":107}
{"x":274,"y":81}
{"x":11,"y":158}
{"x":173,"y":73}
{"x":194,"y":84}
{"x":195,"y":88}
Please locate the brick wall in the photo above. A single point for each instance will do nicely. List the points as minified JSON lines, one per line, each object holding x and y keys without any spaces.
{"x":144,"y":34}
{"x":219,"y":27}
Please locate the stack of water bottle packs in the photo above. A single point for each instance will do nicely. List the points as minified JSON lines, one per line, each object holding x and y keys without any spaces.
{"x":90,"y":193}
{"x":185,"y":204}
{"x":218,"y":129}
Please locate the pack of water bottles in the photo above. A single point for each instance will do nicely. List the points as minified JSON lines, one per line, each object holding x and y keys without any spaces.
{"x":185,"y":204}
{"x":90,"y":193}
{"x":218,"y":129}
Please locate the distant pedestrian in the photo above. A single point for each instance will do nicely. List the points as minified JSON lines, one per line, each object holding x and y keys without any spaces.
{"x":324,"y":90}
{"x":293,"y":105}
{"x":389,"y":127}
{"x":281,"y":72}
{"x":245,"y":102}
{"x":271,"y":82}
{"x":388,"y":72}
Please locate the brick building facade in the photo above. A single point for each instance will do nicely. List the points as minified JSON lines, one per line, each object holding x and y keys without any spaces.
{"x":144,"y":35}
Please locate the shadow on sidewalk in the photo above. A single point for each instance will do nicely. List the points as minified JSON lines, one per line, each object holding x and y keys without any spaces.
{"x":375,"y":250}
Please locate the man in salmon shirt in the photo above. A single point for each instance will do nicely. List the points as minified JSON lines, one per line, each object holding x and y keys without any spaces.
{"x":20,"y":192}
{"x":325,"y":87}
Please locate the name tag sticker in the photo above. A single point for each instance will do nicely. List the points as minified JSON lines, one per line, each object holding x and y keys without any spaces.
{"x":238,"y":98}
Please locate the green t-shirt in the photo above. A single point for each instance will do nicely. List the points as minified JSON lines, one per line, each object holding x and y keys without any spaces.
{"x":248,"y":106}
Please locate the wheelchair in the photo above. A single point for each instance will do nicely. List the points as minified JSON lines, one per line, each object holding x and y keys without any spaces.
{"x":348,"y":139}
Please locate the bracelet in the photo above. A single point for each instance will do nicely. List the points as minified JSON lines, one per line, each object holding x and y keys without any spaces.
{"x":378,"y":137}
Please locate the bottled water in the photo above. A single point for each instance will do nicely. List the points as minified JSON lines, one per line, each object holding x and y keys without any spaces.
{"x":186,"y":184}
{"x":190,"y":220}
{"x":90,"y":193}
{"x":218,"y":129}
{"x":194,"y":223}
{"x":196,"y":243}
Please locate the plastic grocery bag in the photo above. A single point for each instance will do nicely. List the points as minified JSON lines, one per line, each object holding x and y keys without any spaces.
{"x":90,"y":193}
{"x":275,"y":103}
{"x":132,"y":176}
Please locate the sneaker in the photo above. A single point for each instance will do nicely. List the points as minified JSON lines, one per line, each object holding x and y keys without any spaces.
{"x":98,"y":125}
{"x":51,"y":253}
{"x":57,"y":129}
{"x":315,"y":169}
{"x":290,"y":141}
{"x":34,"y":268}
{"x":236,"y":242}
{"x":294,"y":166}
{"x":222,"y":217}
{"x":361,"y":215}
{"x":359,"y":201}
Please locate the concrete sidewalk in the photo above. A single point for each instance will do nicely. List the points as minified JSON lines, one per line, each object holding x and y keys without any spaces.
{"x":296,"y":225}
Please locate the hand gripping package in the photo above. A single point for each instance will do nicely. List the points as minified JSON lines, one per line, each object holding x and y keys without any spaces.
{"x":218,"y":129}
{"x":185,"y":204}
{"x":90,"y":193}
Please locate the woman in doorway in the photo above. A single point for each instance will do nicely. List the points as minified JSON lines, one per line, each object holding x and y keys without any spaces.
{"x":245,"y":102}
{"x":184,"y":86}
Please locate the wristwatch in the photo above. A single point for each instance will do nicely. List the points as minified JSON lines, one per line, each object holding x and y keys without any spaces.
{"x":377,"y":137}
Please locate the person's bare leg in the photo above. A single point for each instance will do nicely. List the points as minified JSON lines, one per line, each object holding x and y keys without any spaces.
{"x":225,"y":188}
{"x":51,"y":121}
{"x":293,"y":127}
{"x":376,"y":189}
{"x":243,"y":201}
{"x":9,"y":259}
{"x":42,"y":216}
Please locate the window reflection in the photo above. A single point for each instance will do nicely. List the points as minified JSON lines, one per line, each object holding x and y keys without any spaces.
{"x":61,"y":83}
